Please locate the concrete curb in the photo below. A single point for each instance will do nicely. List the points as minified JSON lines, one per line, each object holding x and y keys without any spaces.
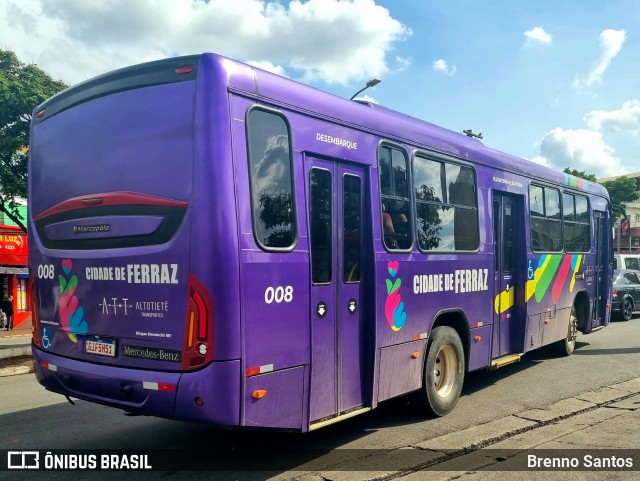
{"x":10,"y":352}
{"x":13,"y":371}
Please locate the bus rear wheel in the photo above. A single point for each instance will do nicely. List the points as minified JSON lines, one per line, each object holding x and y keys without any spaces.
{"x":443,"y":372}
{"x":566,"y":346}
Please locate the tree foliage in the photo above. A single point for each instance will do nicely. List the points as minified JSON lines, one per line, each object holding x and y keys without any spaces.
{"x":621,"y":190}
{"x":22,"y":88}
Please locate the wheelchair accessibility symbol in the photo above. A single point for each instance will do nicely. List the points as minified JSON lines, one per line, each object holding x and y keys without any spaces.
{"x":46,"y":342}
{"x":530,"y":271}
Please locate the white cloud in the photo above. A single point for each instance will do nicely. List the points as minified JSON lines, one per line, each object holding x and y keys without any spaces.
{"x":537,"y":35}
{"x":441,"y":65}
{"x":626,"y":119}
{"x":367,"y":98}
{"x":579,"y":149}
{"x":333,"y":41}
{"x":610,"y":44}
{"x":268,"y":66}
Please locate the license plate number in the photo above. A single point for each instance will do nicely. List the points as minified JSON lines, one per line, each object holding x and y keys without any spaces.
{"x":100,"y":347}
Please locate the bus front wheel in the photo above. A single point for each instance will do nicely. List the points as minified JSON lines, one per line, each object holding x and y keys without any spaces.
{"x":443,"y":372}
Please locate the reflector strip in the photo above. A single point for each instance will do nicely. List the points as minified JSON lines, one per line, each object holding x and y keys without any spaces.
{"x":155,"y":386}
{"x":252,"y":371}
{"x":422,"y":335}
{"x":477,"y":324}
{"x":50,"y":367}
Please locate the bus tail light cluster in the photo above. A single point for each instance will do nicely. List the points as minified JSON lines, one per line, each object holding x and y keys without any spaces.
{"x":35,"y":324}
{"x":198,"y":342}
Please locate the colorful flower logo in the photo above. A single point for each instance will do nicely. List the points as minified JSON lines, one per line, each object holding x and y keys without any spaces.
{"x":71,"y":314}
{"x":394,"y":306}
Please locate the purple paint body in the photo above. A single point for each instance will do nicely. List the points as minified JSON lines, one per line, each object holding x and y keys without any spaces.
{"x":156,"y":293}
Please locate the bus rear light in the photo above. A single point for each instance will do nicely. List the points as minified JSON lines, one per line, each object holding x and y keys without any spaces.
{"x":202,"y":326}
{"x":198,"y":344}
{"x":192,"y":317}
{"x":40,"y":114}
{"x":184,"y":70}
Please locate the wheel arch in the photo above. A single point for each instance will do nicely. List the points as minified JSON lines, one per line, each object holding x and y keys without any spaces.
{"x":457,"y":319}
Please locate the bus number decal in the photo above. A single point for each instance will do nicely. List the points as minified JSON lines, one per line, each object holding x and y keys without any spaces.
{"x":46,"y":271}
{"x":278,"y":294}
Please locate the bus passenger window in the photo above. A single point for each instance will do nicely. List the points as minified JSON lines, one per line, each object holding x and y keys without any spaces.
{"x":272,"y":198}
{"x":394,"y":198}
{"x":544,"y":218}
{"x":446,"y":206}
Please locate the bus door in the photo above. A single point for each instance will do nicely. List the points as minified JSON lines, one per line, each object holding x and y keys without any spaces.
{"x":601,"y":296}
{"x":335,"y":203}
{"x":510,"y":269}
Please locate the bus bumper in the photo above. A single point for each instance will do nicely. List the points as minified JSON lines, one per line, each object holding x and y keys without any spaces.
{"x":210,"y":395}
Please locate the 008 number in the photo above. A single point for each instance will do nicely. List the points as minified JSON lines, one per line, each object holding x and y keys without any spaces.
{"x":278,"y":294}
{"x":46,"y":271}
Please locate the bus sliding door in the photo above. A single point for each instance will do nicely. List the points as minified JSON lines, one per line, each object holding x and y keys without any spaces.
{"x":334,"y":195}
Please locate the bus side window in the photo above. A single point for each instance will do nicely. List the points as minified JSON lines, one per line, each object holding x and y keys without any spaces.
{"x":394,"y":198}
{"x":272,"y":198}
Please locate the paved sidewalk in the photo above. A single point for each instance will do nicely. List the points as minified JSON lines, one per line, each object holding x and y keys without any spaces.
{"x":15,"y":350}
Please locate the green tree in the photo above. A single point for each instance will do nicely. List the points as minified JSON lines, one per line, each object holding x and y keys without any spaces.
{"x":621,"y":191}
{"x":22,"y":88}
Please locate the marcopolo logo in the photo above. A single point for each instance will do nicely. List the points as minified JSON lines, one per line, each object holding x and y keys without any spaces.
{"x":88,"y":229}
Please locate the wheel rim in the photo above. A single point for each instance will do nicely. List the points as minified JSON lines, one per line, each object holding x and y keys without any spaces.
{"x":627,"y":309}
{"x":573,"y":331}
{"x":445,"y":370}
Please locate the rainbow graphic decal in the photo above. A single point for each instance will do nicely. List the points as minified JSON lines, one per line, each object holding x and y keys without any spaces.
{"x":552,"y":266}
{"x":394,"y":307}
{"x":71,"y":315}
{"x":572,"y":181}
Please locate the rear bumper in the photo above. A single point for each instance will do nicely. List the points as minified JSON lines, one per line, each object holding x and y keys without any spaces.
{"x":165,"y":394}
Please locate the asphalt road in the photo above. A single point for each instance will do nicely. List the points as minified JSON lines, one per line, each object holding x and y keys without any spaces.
{"x":30,"y":417}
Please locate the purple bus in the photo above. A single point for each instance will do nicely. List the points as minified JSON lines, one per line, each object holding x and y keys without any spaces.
{"x":214,"y":243}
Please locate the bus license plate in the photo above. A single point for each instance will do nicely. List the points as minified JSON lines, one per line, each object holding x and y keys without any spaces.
{"x":101,"y":347}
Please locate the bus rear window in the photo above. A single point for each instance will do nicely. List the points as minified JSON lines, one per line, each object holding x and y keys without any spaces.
{"x":272,"y":199}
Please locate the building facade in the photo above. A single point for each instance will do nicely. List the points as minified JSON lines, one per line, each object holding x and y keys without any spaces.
{"x":629,"y":244}
{"x":14,"y":270}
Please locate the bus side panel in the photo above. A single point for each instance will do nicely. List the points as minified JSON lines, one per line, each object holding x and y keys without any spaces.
{"x":274,"y":285}
{"x":214,"y":241}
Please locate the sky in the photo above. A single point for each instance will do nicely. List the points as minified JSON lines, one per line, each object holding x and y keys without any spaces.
{"x":554,"y":82}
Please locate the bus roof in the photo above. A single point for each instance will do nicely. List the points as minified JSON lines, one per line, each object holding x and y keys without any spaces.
{"x":366,"y":116}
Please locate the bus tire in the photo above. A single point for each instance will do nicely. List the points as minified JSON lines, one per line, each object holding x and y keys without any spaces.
{"x":443,"y":372}
{"x":566,"y":346}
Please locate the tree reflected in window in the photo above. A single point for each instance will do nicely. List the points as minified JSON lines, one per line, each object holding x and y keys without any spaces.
{"x":271,"y":180}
